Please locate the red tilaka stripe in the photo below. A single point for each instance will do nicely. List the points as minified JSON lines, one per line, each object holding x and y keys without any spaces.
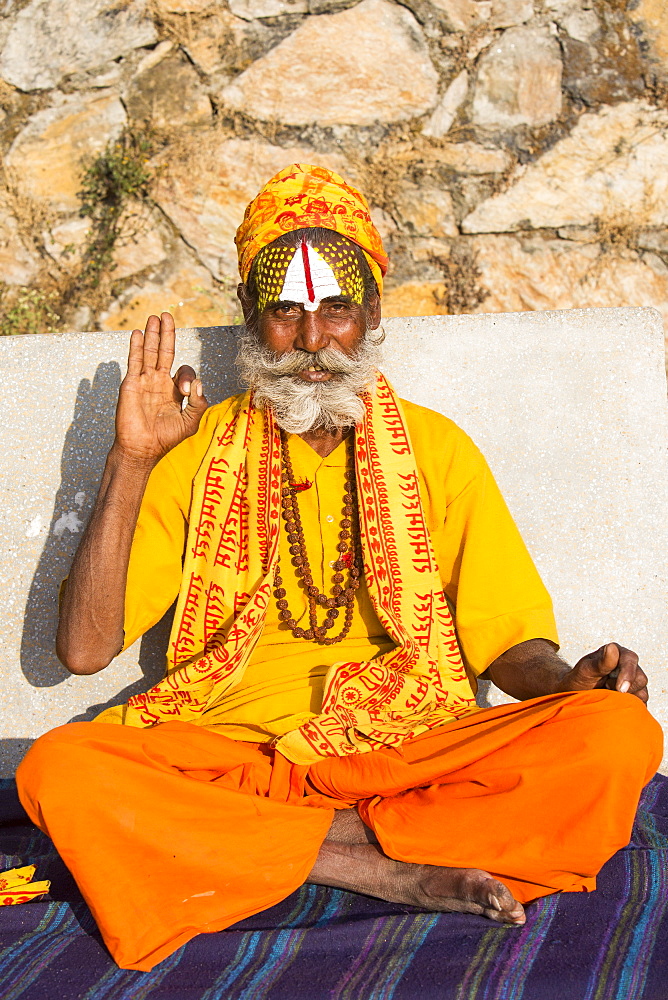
{"x":307,"y":272}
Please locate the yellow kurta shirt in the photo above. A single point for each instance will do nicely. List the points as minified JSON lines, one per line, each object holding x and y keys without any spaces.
{"x":487,"y":573}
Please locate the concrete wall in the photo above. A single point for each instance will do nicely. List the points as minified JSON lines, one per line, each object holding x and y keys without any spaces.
{"x":569,"y":407}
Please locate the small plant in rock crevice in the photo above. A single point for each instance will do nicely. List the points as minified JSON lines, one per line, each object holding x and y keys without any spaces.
{"x":26,"y":310}
{"x":113,"y":179}
{"x":462,"y":277}
{"x":111,"y":183}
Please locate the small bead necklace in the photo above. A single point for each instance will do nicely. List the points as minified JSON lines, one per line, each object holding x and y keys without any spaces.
{"x":348,"y":546}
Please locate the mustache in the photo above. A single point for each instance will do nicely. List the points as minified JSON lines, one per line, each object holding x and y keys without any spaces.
{"x":299,"y":405}
{"x":298,"y":361}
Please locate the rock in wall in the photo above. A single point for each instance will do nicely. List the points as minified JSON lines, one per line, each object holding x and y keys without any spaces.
{"x":513,"y":151}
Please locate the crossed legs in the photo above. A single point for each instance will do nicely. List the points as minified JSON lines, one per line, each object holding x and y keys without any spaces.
{"x":200,"y":831}
{"x":478,"y":822}
{"x":351,"y":858}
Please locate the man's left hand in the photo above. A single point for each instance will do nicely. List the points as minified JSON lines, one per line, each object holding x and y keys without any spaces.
{"x":612,"y":666}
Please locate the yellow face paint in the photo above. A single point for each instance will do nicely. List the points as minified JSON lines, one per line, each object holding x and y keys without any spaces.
{"x":308,"y":274}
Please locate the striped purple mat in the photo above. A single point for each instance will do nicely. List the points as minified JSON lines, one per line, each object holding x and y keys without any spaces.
{"x":324,"y":944}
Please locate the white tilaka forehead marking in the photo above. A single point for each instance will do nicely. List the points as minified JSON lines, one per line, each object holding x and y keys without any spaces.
{"x":296,"y":286}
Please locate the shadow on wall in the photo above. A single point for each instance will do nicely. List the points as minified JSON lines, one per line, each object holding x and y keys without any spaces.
{"x":152,"y":651}
{"x":87,"y":441}
{"x":85,"y":448}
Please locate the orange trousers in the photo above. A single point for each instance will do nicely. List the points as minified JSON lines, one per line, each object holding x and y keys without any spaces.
{"x":176,"y":830}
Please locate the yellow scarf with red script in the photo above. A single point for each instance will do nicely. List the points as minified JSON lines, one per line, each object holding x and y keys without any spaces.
{"x":231,"y":556}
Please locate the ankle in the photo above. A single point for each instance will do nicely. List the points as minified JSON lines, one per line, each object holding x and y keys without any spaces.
{"x":356,"y":867}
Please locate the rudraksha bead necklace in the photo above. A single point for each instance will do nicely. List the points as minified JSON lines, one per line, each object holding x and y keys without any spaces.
{"x":348,"y":546}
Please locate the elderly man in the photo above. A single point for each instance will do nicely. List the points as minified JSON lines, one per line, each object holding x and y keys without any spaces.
{"x":345,"y":567}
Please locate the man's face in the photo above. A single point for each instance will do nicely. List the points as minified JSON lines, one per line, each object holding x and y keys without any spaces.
{"x":305,"y":352}
{"x":310,"y":298}
{"x":336,"y":323}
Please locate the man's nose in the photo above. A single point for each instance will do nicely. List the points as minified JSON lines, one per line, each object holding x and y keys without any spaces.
{"x":312,"y":335}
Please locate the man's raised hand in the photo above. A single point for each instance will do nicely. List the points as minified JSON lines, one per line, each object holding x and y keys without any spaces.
{"x":613,"y":667}
{"x":150,"y":417}
{"x":150,"y":420}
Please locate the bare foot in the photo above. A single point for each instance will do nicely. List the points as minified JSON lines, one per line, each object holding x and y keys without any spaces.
{"x":362,"y":867}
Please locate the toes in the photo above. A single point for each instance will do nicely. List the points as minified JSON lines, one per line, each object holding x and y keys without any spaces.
{"x":510,"y":912}
{"x":515,"y":916}
{"x":500,"y":903}
{"x":495,"y":890}
{"x":515,"y":920}
{"x":469,"y":890}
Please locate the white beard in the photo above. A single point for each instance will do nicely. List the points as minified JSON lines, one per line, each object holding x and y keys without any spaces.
{"x":300,"y":406}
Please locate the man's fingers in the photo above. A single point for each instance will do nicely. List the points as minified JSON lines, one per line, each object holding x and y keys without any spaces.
{"x":151,"y":343}
{"x":196,"y":405}
{"x":136,"y":353}
{"x":637,"y":686}
{"x":611,"y":666}
{"x":627,"y":668}
{"x":183,"y":379}
{"x":603,"y":666}
{"x":602,"y":661}
{"x":627,"y":677}
{"x":630,"y":677}
{"x":617,"y":664}
{"x":166,"y":344}
{"x":641,"y":681}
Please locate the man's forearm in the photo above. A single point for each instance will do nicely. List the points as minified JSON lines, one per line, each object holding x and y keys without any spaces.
{"x":90,"y":630}
{"x":528,"y":670}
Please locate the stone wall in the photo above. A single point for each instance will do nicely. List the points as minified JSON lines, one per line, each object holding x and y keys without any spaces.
{"x":513,"y":150}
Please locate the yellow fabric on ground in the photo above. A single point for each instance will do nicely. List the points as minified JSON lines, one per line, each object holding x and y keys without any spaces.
{"x":487,"y":573}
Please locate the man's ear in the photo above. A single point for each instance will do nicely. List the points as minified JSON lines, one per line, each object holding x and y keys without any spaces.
{"x":247,"y":304}
{"x":373,"y":312}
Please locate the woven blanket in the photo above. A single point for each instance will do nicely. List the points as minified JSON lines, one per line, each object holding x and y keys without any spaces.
{"x":324,"y":944}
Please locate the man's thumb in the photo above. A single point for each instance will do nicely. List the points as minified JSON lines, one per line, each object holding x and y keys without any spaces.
{"x":604,"y":660}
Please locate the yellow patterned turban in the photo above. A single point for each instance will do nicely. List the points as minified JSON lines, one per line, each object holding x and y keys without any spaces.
{"x":306,"y":197}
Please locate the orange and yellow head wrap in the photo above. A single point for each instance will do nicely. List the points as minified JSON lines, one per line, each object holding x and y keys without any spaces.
{"x":305,"y":197}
